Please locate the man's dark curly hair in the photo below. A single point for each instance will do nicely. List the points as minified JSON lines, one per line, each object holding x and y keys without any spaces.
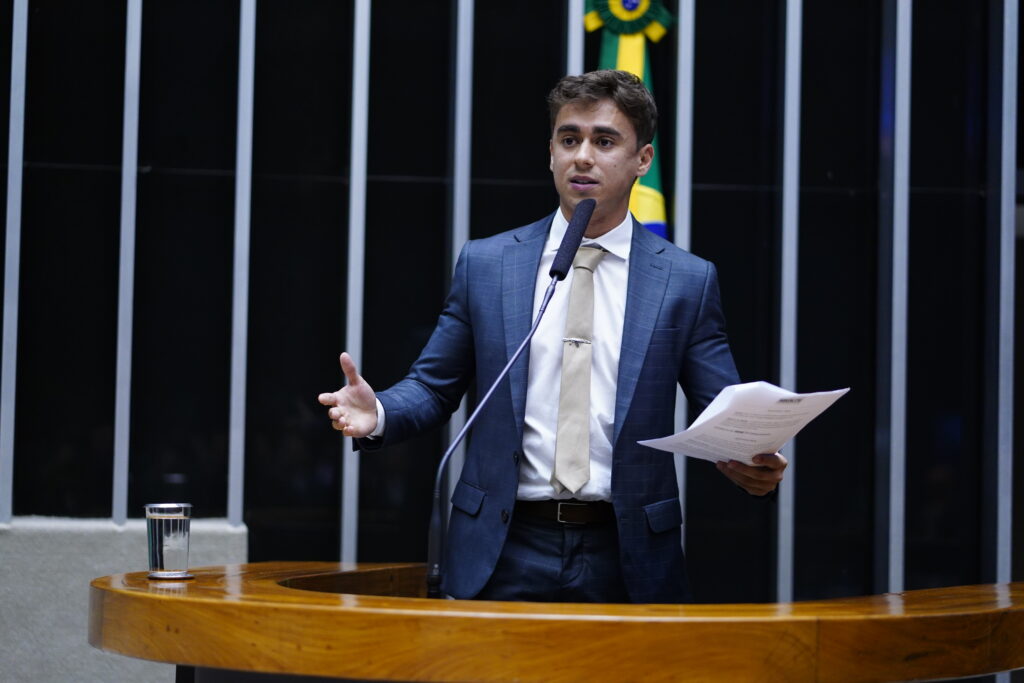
{"x":627,"y":91}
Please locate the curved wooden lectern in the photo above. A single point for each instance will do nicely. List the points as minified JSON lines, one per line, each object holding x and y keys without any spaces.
{"x":370,"y":622}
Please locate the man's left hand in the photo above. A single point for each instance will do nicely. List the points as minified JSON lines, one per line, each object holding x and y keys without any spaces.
{"x":760,"y":479}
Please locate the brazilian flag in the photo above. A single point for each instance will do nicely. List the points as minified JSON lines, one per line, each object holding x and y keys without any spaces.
{"x":628,"y":25}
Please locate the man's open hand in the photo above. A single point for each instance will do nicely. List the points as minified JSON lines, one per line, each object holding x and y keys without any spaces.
{"x":353,"y":408}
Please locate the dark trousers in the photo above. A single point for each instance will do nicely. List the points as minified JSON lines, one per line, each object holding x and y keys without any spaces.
{"x":547,"y":561}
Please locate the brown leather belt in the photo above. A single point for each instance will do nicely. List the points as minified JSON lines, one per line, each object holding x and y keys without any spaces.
{"x":568,"y":511}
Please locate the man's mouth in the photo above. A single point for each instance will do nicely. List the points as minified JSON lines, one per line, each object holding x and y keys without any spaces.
{"x":582,"y":181}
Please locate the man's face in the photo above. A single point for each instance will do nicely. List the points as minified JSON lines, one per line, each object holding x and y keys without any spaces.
{"x":594,"y":154}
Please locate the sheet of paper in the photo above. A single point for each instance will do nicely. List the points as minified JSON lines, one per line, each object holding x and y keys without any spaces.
{"x":747,"y":419}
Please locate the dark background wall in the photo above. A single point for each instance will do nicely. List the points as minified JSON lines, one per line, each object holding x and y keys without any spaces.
{"x":182,"y":310}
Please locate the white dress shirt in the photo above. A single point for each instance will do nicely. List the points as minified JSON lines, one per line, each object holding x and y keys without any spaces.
{"x":541,"y":424}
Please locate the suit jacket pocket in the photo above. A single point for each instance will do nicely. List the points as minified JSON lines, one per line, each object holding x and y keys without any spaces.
{"x":467,"y":498}
{"x":664,"y":515}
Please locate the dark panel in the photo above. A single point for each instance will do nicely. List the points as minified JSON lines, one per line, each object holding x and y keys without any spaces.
{"x":729,"y":539}
{"x":840,"y":95}
{"x":64,"y":423}
{"x":836,"y":343}
{"x":189,"y":85}
{"x":518,"y":58}
{"x":730,"y":535}
{"x":837,"y":295}
{"x":298,"y":264}
{"x":181,"y":351}
{"x":949,"y":91}
{"x":303,"y":87}
{"x":75,"y":82}
{"x":945,"y":372}
{"x":68,"y":289}
{"x":411,"y":95}
{"x":296,"y":325}
{"x":498,"y":207}
{"x":735,"y":230}
{"x":184,"y":250}
{"x":396,"y":485}
{"x":737,"y":86}
{"x":944,"y":389}
{"x":738,"y":55}
{"x":407,"y":257}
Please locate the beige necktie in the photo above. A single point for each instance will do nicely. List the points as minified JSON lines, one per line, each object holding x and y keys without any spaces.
{"x":572,"y":440}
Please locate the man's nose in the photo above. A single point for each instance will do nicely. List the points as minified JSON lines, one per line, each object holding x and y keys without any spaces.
{"x":584,"y":154}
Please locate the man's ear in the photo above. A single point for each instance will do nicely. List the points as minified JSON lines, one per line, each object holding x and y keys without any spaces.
{"x":551,"y":156}
{"x":646,"y":157}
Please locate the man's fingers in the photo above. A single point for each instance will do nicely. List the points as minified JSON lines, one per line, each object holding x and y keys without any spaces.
{"x":754,"y":480}
{"x":774,"y":461}
{"x":348,"y":366}
{"x":755,"y":476}
{"x":351,"y":408}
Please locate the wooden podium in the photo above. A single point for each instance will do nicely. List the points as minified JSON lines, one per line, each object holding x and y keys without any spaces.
{"x":371,"y":622}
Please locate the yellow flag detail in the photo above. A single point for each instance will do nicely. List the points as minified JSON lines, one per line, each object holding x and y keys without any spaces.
{"x":592,"y":21}
{"x":631,"y":54}
{"x":647,"y":204}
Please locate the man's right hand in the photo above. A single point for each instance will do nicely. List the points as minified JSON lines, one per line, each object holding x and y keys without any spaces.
{"x":353,"y":408}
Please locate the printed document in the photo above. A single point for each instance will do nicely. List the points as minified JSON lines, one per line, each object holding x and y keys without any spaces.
{"x":747,"y":419}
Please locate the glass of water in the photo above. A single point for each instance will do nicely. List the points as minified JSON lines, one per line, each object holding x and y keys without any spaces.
{"x":167,"y":530}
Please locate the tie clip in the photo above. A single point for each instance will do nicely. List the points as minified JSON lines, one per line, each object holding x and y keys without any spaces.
{"x":574,"y":341}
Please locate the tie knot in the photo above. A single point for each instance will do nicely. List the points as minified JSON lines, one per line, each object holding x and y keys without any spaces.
{"x":588,"y":257}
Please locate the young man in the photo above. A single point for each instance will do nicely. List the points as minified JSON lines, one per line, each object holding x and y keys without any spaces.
{"x":531,"y":520}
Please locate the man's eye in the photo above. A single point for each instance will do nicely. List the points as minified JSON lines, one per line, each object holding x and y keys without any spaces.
{"x":605,"y":142}
{"x":568,"y":142}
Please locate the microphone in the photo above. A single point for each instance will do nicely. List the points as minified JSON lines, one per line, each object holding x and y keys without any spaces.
{"x":571,"y":241}
{"x":559,"y":268}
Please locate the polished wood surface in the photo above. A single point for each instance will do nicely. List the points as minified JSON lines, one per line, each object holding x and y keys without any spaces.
{"x":368,"y":621}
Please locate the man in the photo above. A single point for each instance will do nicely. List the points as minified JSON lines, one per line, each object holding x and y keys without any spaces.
{"x":656,"y":321}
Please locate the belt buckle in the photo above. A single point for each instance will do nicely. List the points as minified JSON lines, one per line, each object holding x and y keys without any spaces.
{"x":558,"y":515}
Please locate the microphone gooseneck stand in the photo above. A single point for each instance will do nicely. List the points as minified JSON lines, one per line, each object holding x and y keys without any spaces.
{"x":559,"y":269}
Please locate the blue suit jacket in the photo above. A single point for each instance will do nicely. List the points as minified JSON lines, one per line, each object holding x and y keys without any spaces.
{"x":673,"y":332}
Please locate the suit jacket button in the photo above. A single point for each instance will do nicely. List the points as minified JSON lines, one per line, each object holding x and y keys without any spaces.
{"x":504,"y":516}
{"x":515,"y":457}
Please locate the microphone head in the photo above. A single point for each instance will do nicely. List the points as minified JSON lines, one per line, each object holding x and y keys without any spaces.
{"x":573,"y":236}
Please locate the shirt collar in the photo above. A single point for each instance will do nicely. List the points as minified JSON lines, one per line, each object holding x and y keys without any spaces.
{"x":616,"y":241}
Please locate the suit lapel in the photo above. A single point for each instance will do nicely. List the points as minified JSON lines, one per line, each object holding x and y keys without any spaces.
{"x":648,"y":278}
{"x":519,"y":278}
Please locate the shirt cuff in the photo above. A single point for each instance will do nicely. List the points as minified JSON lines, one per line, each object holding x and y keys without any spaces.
{"x":378,"y":431}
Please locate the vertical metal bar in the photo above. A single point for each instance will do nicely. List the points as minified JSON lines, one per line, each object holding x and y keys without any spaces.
{"x":126,"y":276}
{"x":683,"y":185}
{"x":1007,"y":267}
{"x":356,"y":252}
{"x":574,"y":37}
{"x":900,"y":273}
{"x":1007,"y":200}
{"x":240,"y":285}
{"x":788,"y":289}
{"x":461,"y":191}
{"x":893,"y":234}
{"x":684,"y":125}
{"x":12,"y":256}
